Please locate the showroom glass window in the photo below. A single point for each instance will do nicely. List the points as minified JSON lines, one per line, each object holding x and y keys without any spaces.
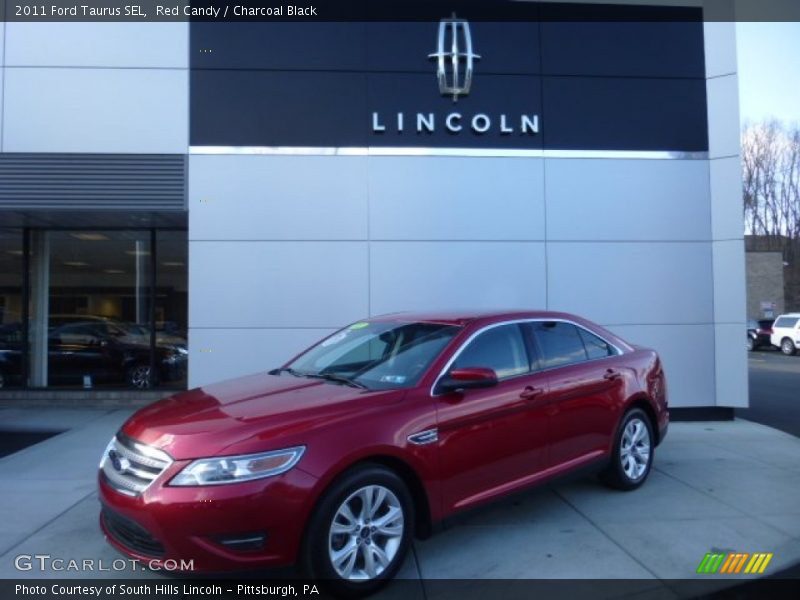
{"x":11,"y":313}
{"x":500,"y":348}
{"x":102,"y":309}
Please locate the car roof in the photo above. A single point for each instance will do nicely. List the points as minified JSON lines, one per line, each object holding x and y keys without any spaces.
{"x":463,"y":317}
{"x":793,"y":314}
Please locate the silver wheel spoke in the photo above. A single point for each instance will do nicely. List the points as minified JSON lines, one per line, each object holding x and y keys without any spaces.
{"x":366,"y":503}
{"x":369,"y":561}
{"x":347,"y":514}
{"x":391,"y":524}
{"x":377,"y":501}
{"x":345,"y":559}
{"x":343,"y":528}
{"x":379,"y":556}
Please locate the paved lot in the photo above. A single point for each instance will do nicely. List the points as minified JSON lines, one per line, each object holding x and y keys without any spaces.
{"x":716,"y":487}
{"x":774,"y":391}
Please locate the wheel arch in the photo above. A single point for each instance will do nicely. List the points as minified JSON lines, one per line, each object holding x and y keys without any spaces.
{"x":423,"y":520}
{"x":643,"y":402}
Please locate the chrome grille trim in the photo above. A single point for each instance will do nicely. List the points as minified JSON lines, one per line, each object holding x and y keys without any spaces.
{"x":137,"y":465}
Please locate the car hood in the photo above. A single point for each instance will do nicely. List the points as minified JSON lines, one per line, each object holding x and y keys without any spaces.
{"x":254,"y":413}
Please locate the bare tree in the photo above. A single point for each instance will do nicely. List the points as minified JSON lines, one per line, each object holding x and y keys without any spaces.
{"x":771,"y":189}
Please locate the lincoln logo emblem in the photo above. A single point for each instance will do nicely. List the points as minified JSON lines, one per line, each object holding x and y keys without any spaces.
{"x":454,"y":65}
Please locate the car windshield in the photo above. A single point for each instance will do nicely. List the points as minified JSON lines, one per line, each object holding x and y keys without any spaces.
{"x":376,"y":355}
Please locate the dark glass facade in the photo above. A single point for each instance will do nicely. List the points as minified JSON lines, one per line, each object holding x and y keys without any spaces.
{"x":93,"y":308}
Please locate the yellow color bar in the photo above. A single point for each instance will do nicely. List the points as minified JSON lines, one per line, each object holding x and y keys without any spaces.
{"x":759,"y":562}
{"x":765,"y":563}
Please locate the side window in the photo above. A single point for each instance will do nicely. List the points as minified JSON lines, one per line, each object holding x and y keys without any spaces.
{"x":500,"y":348}
{"x":595,"y":347}
{"x":788,"y":322}
{"x":560,"y":343}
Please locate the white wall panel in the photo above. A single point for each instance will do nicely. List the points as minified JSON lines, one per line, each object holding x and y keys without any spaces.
{"x":726,"y":198}
{"x":445,"y":275}
{"x":729,"y":282}
{"x":456,"y":198}
{"x":720,"y":42}
{"x":591,"y":199}
{"x":218,"y":354}
{"x":731,"y":364}
{"x":43,"y":44}
{"x":723,"y":116}
{"x":96,"y":110}
{"x":687,"y":352}
{"x":626,"y":283}
{"x":277,"y":284}
{"x":277,"y":197}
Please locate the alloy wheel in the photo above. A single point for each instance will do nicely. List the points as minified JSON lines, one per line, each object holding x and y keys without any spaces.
{"x":366,"y":533}
{"x":635,"y":449}
{"x":139,"y":377}
{"x":787,"y":346}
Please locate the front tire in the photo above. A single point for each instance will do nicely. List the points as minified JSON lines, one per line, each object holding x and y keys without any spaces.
{"x":787,"y":347}
{"x":360,"y":531}
{"x":751,"y":344}
{"x":632,"y":456}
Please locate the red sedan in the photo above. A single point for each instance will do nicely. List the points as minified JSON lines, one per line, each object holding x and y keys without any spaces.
{"x":376,"y":434}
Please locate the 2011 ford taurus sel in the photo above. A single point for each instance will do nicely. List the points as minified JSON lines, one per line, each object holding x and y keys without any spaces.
{"x":376,"y":434}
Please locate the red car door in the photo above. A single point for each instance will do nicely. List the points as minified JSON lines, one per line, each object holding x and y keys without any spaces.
{"x":491,"y":439}
{"x":584,"y":395}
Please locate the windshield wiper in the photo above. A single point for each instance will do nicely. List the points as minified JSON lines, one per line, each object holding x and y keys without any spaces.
{"x":337,"y":378}
{"x":287,"y":370}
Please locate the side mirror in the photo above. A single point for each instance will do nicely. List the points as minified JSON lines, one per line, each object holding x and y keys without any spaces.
{"x":468,"y":378}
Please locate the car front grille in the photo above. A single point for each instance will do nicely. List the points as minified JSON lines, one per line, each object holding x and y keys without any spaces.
{"x":131,"y":535}
{"x":130,"y":467}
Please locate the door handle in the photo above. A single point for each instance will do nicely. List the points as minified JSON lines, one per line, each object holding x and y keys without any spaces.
{"x":612,"y":375}
{"x":530,"y":392}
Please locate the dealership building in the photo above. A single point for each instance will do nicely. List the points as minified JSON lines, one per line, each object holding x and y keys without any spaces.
{"x":206,"y":199}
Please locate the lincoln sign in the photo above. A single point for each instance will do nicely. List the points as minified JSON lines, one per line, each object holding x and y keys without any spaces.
{"x":455,"y":122}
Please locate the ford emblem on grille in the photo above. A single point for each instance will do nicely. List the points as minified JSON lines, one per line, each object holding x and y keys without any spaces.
{"x":120,"y":463}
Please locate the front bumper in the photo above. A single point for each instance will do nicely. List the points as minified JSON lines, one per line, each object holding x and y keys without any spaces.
{"x":185,"y":524}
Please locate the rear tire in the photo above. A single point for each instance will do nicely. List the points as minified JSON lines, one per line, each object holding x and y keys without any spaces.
{"x":632,"y":456}
{"x":359,"y":532}
{"x":787,"y":346}
{"x":751,"y":344}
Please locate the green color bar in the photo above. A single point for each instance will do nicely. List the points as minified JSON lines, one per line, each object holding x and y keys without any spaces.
{"x":701,"y":568}
{"x":713,"y":568}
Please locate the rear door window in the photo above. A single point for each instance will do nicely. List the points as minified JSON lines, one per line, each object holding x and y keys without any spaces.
{"x":596,"y":347}
{"x":560,"y":344}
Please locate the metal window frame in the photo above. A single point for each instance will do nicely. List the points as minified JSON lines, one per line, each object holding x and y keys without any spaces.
{"x":619,"y":351}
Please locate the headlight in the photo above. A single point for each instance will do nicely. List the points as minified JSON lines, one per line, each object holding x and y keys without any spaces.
{"x":234,"y":469}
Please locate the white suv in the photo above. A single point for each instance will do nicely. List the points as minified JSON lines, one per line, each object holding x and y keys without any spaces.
{"x":786,"y":333}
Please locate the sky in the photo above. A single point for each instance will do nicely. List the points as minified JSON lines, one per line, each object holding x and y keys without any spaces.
{"x":769,"y":71}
